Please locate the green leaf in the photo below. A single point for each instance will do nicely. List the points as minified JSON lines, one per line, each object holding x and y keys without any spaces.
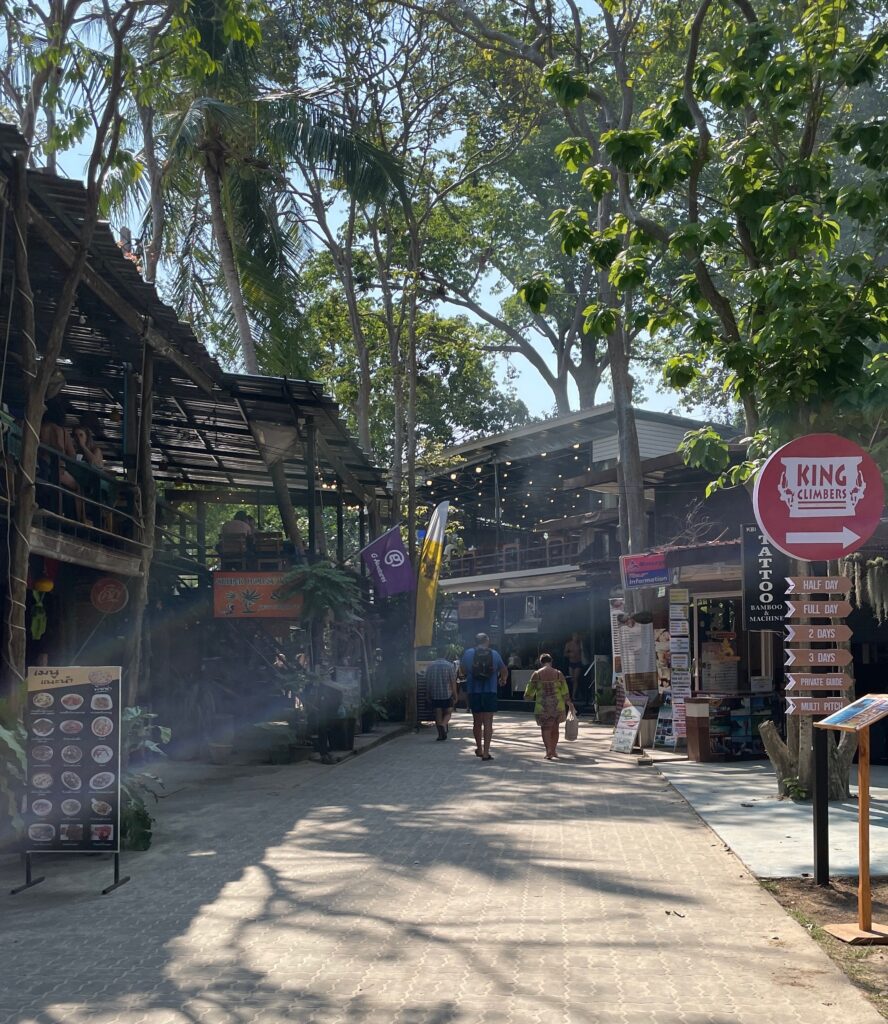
{"x":536,"y":292}
{"x":565,"y":84}
{"x":573,"y":153}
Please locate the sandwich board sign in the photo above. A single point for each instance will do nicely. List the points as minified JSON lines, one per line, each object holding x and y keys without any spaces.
{"x":819,"y":497}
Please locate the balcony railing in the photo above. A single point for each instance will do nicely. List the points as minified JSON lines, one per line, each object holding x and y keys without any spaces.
{"x":515,"y":557}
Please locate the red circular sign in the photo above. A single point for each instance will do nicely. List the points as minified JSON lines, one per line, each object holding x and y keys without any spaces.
{"x":108,"y":595}
{"x":819,"y":497}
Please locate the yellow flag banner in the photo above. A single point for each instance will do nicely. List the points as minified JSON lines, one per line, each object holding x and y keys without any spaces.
{"x":430,"y":559}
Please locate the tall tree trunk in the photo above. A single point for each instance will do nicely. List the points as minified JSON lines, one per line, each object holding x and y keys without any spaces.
{"x":229,"y":268}
{"x":37,"y":374}
{"x":139,"y":659}
{"x":155,"y":187}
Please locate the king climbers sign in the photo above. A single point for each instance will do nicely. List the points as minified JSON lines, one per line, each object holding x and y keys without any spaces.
{"x":819,"y":497}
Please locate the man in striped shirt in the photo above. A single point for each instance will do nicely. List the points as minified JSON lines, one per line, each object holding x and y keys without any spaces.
{"x":442,"y":691}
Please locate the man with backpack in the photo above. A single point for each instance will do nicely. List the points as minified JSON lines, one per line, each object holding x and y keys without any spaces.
{"x":483,"y":669}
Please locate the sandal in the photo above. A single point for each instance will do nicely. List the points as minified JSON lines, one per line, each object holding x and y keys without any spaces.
{"x":487,"y":757}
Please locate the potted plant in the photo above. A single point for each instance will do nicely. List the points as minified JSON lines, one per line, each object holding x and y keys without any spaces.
{"x":342,"y":734}
{"x":141,"y":739}
{"x":13,"y":778}
{"x":371,"y":711}
{"x":328,"y":594}
{"x":605,"y":698}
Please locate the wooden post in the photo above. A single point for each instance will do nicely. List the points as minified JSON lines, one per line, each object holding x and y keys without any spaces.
{"x":311,"y":461}
{"x":864,"y":893}
{"x":362,"y":533}
{"x":340,"y":525}
{"x":131,"y":435}
{"x":201,"y":515}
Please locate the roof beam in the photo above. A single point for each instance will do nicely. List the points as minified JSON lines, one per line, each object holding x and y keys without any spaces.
{"x":133,"y":319}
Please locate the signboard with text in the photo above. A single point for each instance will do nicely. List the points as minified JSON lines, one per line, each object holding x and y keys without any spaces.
{"x":764,"y":580}
{"x":640,"y":571}
{"x":859,"y":715}
{"x":628,"y":723}
{"x":252,"y":595}
{"x":72,"y":718}
{"x":820,"y":497}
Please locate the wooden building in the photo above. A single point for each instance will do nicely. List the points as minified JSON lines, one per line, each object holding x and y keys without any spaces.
{"x":172,"y":427}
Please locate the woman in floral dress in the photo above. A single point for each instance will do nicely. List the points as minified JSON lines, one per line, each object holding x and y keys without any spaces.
{"x":548,"y":688}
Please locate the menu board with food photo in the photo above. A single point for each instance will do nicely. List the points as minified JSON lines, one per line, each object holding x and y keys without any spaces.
{"x":73,"y":724}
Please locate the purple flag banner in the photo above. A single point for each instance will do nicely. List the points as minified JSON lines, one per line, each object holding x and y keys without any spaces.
{"x":388,"y":566}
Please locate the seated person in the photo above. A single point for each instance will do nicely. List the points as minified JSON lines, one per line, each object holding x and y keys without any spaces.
{"x":85,"y":446}
{"x":54,"y":435}
{"x":239,"y":526}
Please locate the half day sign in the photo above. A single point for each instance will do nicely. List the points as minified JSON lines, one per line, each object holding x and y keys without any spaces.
{"x":819,"y":497}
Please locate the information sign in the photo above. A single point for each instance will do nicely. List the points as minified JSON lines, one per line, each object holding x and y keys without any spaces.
{"x":819,"y":497}
{"x":827,"y":681}
{"x":819,"y":634}
{"x":72,"y":719}
{"x":817,"y":609}
{"x":818,"y":585}
{"x":814,"y":705}
{"x":823,"y":658}
{"x":643,"y":570}
{"x":859,"y":715}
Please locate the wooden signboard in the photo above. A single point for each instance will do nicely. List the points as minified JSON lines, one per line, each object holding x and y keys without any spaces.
{"x":814,"y":705}
{"x":818,"y":585}
{"x":824,"y":658}
{"x":818,"y":634}
{"x":805,"y":688}
{"x":817,"y":609}
{"x":858,"y":717}
{"x":826,"y":681}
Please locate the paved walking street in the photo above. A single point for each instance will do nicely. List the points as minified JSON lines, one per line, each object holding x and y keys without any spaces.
{"x":417,"y":885}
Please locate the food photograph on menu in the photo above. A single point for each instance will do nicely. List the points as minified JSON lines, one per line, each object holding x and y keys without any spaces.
{"x":73,"y":725}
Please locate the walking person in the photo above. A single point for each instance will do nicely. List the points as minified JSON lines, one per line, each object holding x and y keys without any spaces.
{"x":483,"y":670}
{"x":573,"y":651}
{"x":549,"y":689}
{"x":443,"y":692}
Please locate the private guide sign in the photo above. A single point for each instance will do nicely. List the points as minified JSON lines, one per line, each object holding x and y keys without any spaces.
{"x":819,"y":497}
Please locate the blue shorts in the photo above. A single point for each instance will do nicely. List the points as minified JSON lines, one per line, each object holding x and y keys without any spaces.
{"x":479,"y":702}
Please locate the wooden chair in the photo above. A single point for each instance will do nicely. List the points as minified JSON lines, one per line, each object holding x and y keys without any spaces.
{"x":233,"y":553}
{"x":268,"y":553}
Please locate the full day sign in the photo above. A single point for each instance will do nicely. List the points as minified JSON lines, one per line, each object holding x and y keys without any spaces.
{"x":819,"y":497}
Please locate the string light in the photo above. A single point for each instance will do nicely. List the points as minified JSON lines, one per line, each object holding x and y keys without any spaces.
{"x":577,"y":445}
{"x":453,"y":476}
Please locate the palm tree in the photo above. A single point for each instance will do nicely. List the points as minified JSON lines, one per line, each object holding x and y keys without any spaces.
{"x":224,"y":129}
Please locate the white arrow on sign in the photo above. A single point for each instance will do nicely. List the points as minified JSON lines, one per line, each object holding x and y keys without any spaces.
{"x":846,"y":538}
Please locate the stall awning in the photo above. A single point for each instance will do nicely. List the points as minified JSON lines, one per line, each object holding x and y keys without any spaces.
{"x":564,"y":578}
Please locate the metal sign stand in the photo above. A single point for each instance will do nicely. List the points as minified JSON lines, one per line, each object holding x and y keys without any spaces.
{"x":118,"y":881}
{"x":30,"y":881}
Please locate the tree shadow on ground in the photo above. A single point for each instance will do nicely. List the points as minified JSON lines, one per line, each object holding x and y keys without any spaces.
{"x":368,"y":892}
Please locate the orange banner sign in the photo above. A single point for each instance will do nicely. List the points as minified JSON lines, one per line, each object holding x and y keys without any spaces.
{"x":252,"y":595}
